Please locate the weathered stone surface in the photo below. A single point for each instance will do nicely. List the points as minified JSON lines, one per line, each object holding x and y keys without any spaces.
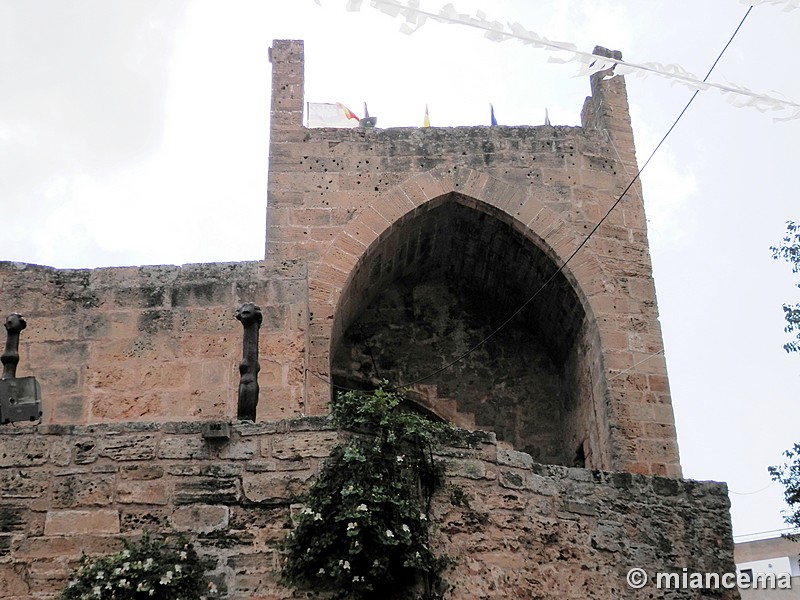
{"x":142,"y":492}
{"x":517,"y":530}
{"x":201,"y":518}
{"x":470,"y":469}
{"x":128,"y":447}
{"x":206,"y":490}
{"x":141,"y":472}
{"x":274,"y":488}
{"x":239,"y":449}
{"x":513,"y":458}
{"x":85,"y":451}
{"x":72,"y":522}
{"x":23,"y":483}
{"x":303,"y":445}
{"x":183,"y":447}
{"x":12,"y":517}
{"x":13,"y":580}
{"x":23,"y":451}
{"x":83,"y":490}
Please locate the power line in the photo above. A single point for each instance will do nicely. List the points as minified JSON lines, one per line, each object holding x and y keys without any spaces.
{"x":766,"y":487}
{"x":787,"y":530}
{"x":581,"y":245}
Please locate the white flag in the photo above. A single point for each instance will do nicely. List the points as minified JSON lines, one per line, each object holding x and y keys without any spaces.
{"x":322,"y":114}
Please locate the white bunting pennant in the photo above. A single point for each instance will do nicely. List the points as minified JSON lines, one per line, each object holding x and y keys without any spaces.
{"x":564,"y":52}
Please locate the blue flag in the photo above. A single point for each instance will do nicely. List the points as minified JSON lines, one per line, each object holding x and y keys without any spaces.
{"x":491,"y":110}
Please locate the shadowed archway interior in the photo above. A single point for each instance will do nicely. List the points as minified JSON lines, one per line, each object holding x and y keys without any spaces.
{"x":434,"y":287}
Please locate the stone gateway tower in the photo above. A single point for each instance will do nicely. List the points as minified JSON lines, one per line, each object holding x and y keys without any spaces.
{"x":420,"y":243}
{"x":456,"y":262}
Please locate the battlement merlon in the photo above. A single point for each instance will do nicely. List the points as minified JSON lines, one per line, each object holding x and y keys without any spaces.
{"x":286,"y":110}
{"x":607,"y":110}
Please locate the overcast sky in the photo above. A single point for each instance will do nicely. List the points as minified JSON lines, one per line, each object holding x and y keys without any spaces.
{"x":137,"y":133}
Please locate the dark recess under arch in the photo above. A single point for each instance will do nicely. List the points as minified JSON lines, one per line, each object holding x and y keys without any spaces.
{"x":438,"y":283}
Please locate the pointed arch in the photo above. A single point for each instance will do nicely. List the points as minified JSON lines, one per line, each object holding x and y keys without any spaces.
{"x":357,"y":267}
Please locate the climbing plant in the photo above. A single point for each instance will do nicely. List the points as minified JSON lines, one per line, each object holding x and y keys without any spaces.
{"x":364,"y":528}
{"x":146,"y":568}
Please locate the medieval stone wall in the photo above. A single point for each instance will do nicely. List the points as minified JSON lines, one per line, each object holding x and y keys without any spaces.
{"x":156,"y":343}
{"x":515,"y":529}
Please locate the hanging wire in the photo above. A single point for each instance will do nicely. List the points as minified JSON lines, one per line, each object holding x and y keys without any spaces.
{"x":766,"y":487}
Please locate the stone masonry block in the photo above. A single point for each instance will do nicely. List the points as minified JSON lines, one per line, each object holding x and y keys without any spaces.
{"x":201,"y":518}
{"x":128,"y":447}
{"x":275,"y":488}
{"x":23,"y":483}
{"x":22,"y":451}
{"x":142,"y":492}
{"x":207,"y":490}
{"x":296,"y":446}
{"x":83,"y":489}
{"x":243,"y":449}
{"x":512,"y":458}
{"x":13,"y":581}
{"x":71,"y":522}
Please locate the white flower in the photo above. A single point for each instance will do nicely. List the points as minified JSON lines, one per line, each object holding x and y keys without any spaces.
{"x":183,"y":555}
{"x":318,"y":517}
{"x":351,"y":525}
{"x":362,"y":508}
{"x":321,"y":572}
{"x":178,"y":568}
{"x":406,"y":528}
{"x":400,"y":458}
{"x":356,"y":579}
{"x":389,"y":533}
{"x":423,"y":517}
{"x":345,"y":564}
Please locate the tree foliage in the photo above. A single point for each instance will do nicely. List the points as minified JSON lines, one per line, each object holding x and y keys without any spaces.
{"x":789,"y":250}
{"x":788,"y":474}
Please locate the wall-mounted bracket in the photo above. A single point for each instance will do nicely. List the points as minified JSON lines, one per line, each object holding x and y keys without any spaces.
{"x":20,"y":397}
{"x":217,"y":432}
{"x":20,"y":400}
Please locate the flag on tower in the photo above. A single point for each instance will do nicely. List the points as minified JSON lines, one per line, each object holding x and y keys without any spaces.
{"x":426,"y":122}
{"x":320,"y":114}
{"x":493,"y":121}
